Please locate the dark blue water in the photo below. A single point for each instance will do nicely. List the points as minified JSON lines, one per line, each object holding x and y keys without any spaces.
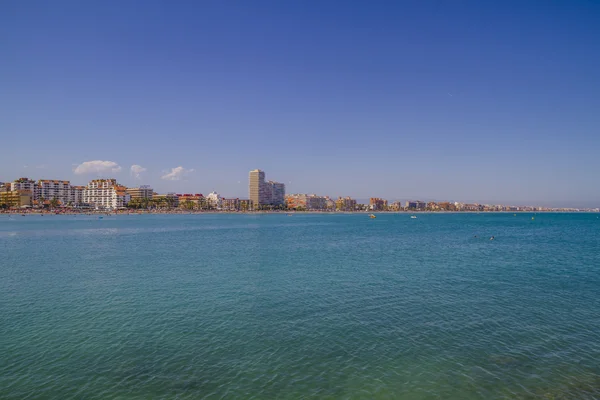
{"x":309,"y":306}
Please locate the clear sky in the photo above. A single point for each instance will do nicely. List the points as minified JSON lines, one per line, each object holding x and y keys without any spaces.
{"x":460,"y":100}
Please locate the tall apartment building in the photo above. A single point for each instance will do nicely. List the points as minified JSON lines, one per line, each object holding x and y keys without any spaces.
{"x":105,"y":194}
{"x":54,"y":189}
{"x":76,"y":195}
{"x":25,"y":184}
{"x":277,"y":192}
{"x":265,"y":193}
{"x":257,"y":188}
{"x":142,"y":192}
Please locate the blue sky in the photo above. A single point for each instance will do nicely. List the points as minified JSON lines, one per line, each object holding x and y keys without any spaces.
{"x":463,"y":100}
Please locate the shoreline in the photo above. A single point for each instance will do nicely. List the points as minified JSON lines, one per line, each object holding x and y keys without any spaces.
{"x":205,"y":212}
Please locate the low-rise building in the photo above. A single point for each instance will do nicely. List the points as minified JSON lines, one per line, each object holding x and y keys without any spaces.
{"x":236,"y":204}
{"x":302,"y":201}
{"x":191,"y":201}
{"x":169,"y":200}
{"x":230,"y":204}
{"x":141,"y":192}
{"x":16,"y":198}
{"x":246,"y":205}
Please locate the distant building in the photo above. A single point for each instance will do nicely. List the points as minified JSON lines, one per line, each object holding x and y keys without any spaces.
{"x":105,"y":194}
{"x":246,"y":205}
{"x":25,"y":184}
{"x":345,"y":204}
{"x":377,"y":204}
{"x":396,"y":206}
{"x":416,"y":205}
{"x":235,"y":204}
{"x":192,"y":201}
{"x":306,"y":202}
{"x":265,"y":193}
{"x":142,"y":192}
{"x":277,"y":193}
{"x":53,"y":190}
{"x":166,"y":200}
{"x":76,"y":195}
{"x":16,"y":198}
{"x":230,"y":204}
{"x":329,"y":203}
{"x":214,"y":200}
{"x":257,"y":188}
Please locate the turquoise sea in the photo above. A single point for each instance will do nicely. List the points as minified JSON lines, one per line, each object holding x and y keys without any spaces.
{"x":309,"y":306}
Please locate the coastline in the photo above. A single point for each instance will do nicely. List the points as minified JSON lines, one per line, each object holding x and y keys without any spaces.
{"x":314,"y":212}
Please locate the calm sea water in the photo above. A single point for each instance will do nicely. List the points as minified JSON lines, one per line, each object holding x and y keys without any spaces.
{"x":309,"y":306}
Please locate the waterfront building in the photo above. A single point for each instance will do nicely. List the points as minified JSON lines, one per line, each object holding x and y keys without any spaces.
{"x":141,"y":192}
{"x":16,"y":198}
{"x":76,"y":195}
{"x":214,"y":200}
{"x":306,"y":202}
{"x":396,"y":206}
{"x":345,"y":204}
{"x":246,"y":205}
{"x":329,"y":203}
{"x":166,"y":200}
{"x":236,"y":204}
{"x":277,"y":192}
{"x":265,"y":193}
{"x":377,"y":204}
{"x":105,"y":194}
{"x":192,"y":201}
{"x":416,"y":205}
{"x":432,"y":206}
{"x":296,"y":201}
{"x":51,"y":189}
{"x":25,"y":184}
{"x":230,"y":204}
{"x":257,"y":188}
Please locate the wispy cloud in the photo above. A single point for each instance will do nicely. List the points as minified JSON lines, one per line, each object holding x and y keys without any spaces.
{"x":176,"y":174}
{"x":136,"y":170}
{"x":97,"y":166}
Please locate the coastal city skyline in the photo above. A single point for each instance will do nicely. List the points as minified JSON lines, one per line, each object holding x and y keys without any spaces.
{"x":262,"y":195}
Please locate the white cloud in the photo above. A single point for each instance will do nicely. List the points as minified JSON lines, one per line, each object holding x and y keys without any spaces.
{"x":97,"y":166}
{"x":136,"y":170}
{"x":176,"y":174}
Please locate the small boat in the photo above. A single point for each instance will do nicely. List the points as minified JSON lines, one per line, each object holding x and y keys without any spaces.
{"x":100,"y":217}
{"x":532,"y":218}
{"x":413,"y":216}
{"x":372,"y":216}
